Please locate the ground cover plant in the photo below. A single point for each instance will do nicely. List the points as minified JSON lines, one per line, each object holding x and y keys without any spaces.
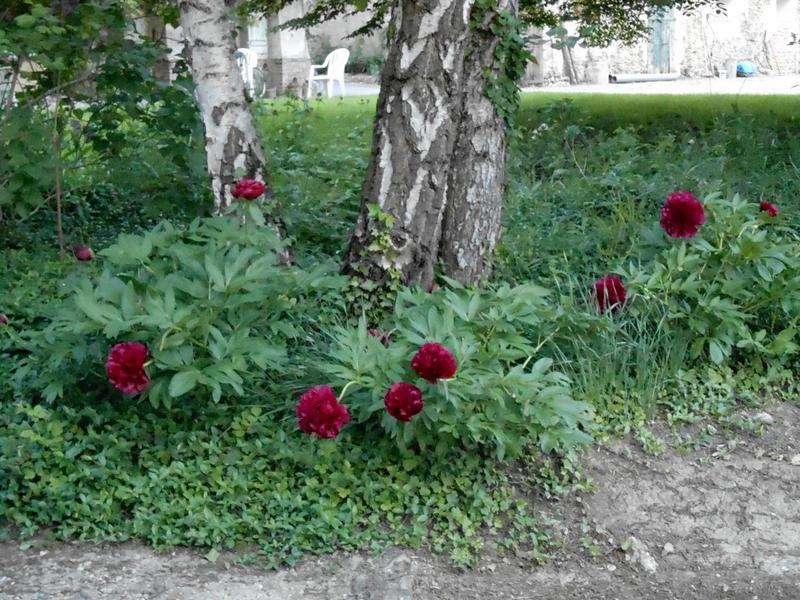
{"x":181,"y":386}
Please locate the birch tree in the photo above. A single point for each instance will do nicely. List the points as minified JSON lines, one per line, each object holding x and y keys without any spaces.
{"x":233,"y":150}
{"x":434,"y":186}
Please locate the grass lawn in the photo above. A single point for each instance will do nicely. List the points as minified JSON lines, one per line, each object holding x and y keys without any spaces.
{"x":669,"y":111}
{"x":577,"y":192}
{"x":607,"y":110}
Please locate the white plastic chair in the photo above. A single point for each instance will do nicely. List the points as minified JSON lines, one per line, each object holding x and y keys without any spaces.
{"x":334,"y":71}
{"x":247,"y":60}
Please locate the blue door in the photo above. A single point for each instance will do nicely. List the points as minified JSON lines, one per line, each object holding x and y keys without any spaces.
{"x":661,"y":27}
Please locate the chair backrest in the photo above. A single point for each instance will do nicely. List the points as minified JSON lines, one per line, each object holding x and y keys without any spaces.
{"x":247,"y":60}
{"x":336,"y":61}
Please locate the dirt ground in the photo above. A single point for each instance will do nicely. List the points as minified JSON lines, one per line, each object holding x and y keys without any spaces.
{"x":717,"y":523}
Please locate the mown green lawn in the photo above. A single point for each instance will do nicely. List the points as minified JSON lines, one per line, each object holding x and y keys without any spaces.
{"x":607,"y":110}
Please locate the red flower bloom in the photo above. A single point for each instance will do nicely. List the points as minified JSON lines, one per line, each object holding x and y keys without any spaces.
{"x":125,"y":367}
{"x":249,"y":189}
{"x":769,"y":207}
{"x":83,"y":253}
{"x":682,"y":215}
{"x":403,"y":401}
{"x":610,"y":292}
{"x":433,"y":362}
{"x":320,"y":413}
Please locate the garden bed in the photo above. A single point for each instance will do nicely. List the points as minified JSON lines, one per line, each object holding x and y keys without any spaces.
{"x":718,"y":521}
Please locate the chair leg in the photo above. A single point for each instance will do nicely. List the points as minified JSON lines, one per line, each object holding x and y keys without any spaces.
{"x":330,"y":88}
{"x":341,"y":87}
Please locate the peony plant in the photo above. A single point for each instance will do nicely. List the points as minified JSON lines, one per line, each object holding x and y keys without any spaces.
{"x":190,"y":315}
{"x":733,"y":284}
{"x":462,"y":367}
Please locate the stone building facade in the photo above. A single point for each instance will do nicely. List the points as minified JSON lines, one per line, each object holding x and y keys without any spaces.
{"x":283,"y":55}
{"x":701,"y":44}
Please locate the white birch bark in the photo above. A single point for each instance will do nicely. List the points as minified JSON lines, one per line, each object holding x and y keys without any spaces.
{"x":415,"y":129}
{"x":232,"y":146}
{"x":476,"y":182}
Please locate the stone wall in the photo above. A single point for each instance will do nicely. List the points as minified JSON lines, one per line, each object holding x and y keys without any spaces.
{"x":702,"y":44}
{"x":335,"y":34}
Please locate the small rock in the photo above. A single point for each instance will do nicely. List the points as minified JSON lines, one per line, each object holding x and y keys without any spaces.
{"x":668,"y":549}
{"x":391,"y":581}
{"x":611,"y":568}
{"x":636,"y":552}
{"x":763,"y":417}
{"x":795,"y":460}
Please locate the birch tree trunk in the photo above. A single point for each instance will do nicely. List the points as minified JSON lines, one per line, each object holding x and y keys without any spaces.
{"x":476,"y":181}
{"x":415,"y":131}
{"x":232,"y":146}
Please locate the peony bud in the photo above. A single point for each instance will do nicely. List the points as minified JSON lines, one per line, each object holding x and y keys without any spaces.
{"x":83,"y":253}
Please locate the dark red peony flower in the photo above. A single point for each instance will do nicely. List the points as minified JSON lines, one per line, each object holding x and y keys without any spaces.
{"x":125,"y":367}
{"x":248,"y":189}
{"x":3,"y":319}
{"x":433,"y":362}
{"x":403,"y":401}
{"x":610,"y":292}
{"x":320,"y":413}
{"x":769,"y":207}
{"x":83,"y":253}
{"x":682,"y":215}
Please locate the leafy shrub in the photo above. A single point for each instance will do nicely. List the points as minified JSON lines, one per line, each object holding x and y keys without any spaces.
{"x":579,"y":188}
{"x":92,"y":130}
{"x":210,"y":302}
{"x":735,"y":286}
{"x":505,"y":393}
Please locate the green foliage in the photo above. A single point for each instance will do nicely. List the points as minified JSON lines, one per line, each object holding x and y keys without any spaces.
{"x":372,"y":292}
{"x":736,"y":285}
{"x":503,"y":30}
{"x":317,"y":158}
{"x":580,"y":181}
{"x":505,"y":394}
{"x":581,"y":185}
{"x":91,"y":112}
{"x":620,"y":364}
{"x":236,"y":479}
{"x":713,"y":391}
{"x":583,"y":199}
{"x":210,"y":302}
{"x":601,"y":21}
